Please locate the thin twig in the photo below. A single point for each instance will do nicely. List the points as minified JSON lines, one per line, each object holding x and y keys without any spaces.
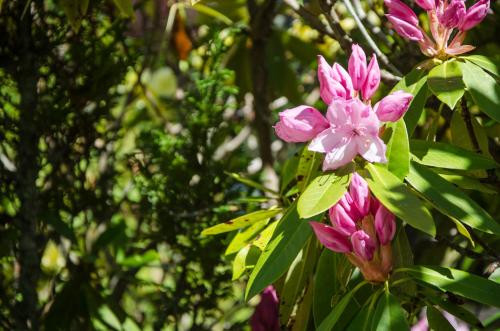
{"x":385,"y":61}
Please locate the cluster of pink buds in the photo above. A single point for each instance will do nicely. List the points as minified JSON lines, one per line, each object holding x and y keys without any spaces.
{"x":351,"y":126}
{"x":449,"y":22}
{"x":362,"y":228}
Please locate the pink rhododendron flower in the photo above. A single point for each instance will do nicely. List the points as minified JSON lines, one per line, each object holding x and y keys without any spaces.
{"x":266,"y":314}
{"x":444,"y":17}
{"x":372,"y":80}
{"x":393,"y":107}
{"x":300,"y":124}
{"x":334,"y":82}
{"x":362,"y":228}
{"x":353,"y":130}
{"x":475,"y":15}
{"x":357,"y":67}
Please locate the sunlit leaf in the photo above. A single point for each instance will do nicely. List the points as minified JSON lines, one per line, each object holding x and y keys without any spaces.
{"x":458,"y":282}
{"x":445,"y":82}
{"x":398,"y":150}
{"x":389,"y":314}
{"x":394,"y":195}
{"x":240,"y":222}
{"x":450,"y":200}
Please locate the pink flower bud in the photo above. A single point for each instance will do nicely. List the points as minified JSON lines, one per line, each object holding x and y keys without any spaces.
{"x":329,"y":87}
{"x":363,"y":245}
{"x":401,"y":11}
{"x":453,"y":14}
{"x":393,"y":107}
{"x":347,"y":203}
{"x":475,"y":15}
{"x":341,"y":220}
{"x":405,"y":29}
{"x":300,"y":124}
{"x":372,"y":79}
{"x":331,"y":238}
{"x":427,"y":5}
{"x":357,"y":67}
{"x":341,"y":76}
{"x":385,"y":225}
{"x":266,"y":314}
{"x":360,"y":194}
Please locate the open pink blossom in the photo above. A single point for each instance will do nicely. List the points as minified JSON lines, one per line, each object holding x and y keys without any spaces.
{"x":444,"y":16}
{"x":353,"y":130}
{"x":300,"y":124}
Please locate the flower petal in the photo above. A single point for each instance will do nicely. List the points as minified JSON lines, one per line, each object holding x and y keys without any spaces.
{"x":331,"y":238}
{"x":341,"y":155}
{"x":372,"y":148}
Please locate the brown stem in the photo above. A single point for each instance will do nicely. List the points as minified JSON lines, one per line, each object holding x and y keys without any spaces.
{"x":29,"y":260}
{"x":468,"y":124}
{"x":261,"y":20}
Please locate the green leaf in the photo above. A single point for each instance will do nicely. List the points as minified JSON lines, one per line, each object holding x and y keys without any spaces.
{"x":437,"y":322}
{"x":75,"y":10}
{"x":394,"y":195}
{"x":389,"y":315}
{"x":484,"y":62}
{"x":240,"y":222}
{"x":402,"y":255}
{"x":398,"y":150}
{"x":245,"y":259}
{"x":125,"y":6}
{"x":332,"y":318}
{"x":445,"y":82}
{"x":415,"y":83}
{"x":263,"y":238}
{"x":303,"y":311}
{"x":288,"y":239}
{"x":297,"y":279}
{"x":450,"y":200}
{"x":483,"y":88}
{"x":458,"y":282}
{"x":138,"y":260}
{"x":250,"y":183}
{"x":323,"y":192}
{"x":465,"y":182}
{"x":455,"y":310}
{"x":326,"y":286}
{"x":308,"y":168}
{"x":244,"y":237}
{"x":289,"y":170}
{"x":448,"y":156}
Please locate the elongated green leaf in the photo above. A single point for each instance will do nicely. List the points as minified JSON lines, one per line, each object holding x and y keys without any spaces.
{"x":289,"y":170}
{"x":332,"y":318}
{"x":308,"y":168}
{"x":398,"y":150}
{"x":323,"y":192}
{"x":415,"y":83}
{"x":483,"y":88}
{"x":402,"y":256}
{"x":399,"y":199}
{"x":304,"y":311}
{"x":437,"y":322}
{"x":265,"y":236}
{"x":244,"y":237}
{"x":445,"y":82}
{"x":239,"y":262}
{"x":325,"y":286}
{"x":288,"y":239}
{"x":458,"y":282}
{"x":448,"y":156}
{"x":241,"y":221}
{"x":449,"y":200}
{"x":125,"y":6}
{"x":484,"y":62}
{"x":465,"y":182}
{"x":456,"y":310}
{"x":297,"y":279}
{"x":389,"y":315}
